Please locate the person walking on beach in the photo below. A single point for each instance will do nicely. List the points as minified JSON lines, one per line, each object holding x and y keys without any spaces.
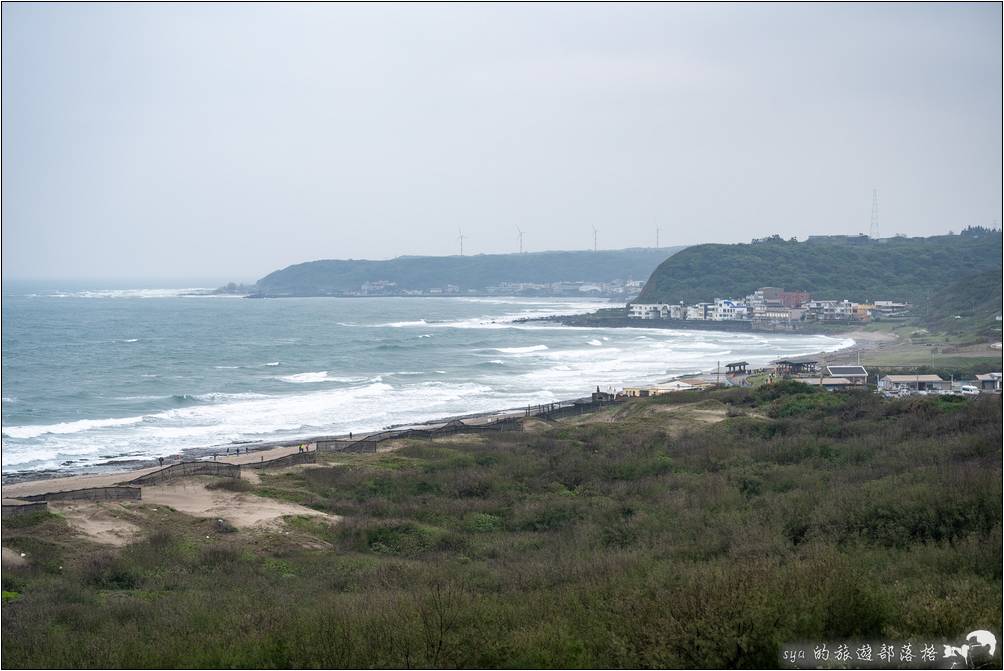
{"x":161,"y":460}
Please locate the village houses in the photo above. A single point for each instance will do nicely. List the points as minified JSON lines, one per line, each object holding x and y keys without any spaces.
{"x":771,"y":307}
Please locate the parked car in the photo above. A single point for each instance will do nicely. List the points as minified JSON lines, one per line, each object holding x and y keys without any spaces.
{"x":969,"y":390}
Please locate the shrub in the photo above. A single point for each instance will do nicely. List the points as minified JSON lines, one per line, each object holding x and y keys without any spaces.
{"x":231,"y":485}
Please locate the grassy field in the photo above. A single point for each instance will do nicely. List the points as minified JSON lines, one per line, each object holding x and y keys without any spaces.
{"x":688,"y":530}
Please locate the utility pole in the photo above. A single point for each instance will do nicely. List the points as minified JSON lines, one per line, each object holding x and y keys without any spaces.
{"x":461,"y":239}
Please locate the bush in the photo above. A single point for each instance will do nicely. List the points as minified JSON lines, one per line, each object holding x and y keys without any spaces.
{"x":231,"y":485}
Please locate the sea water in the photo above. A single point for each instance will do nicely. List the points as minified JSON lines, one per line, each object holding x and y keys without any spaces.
{"x":96,"y":376}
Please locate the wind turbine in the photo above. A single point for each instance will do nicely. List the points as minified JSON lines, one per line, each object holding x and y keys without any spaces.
{"x":594,"y":238}
{"x":657,"y":237}
{"x":461,"y":239}
{"x":520,"y":236}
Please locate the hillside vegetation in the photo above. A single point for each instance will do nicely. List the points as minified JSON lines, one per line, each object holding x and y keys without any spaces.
{"x":904,"y":269}
{"x":968,"y":306}
{"x":636,"y":540}
{"x":467,"y":272}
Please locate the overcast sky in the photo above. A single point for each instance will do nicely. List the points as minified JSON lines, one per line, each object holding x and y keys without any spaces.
{"x":225,"y":141}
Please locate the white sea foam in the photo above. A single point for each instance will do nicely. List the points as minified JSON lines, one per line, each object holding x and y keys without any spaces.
{"x":303,"y":378}
{"x":218,"y":397}
{"x":521,"y":350}
{"x":36,"y":430}
{"x":129,"y":293}
{"x":271,"y":363}
{"x":404,"y":324}
{"x":595,"y":343}
{"x":323,"y":376}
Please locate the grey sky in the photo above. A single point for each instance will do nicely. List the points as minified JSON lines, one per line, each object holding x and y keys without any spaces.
{"x":174,"y":140}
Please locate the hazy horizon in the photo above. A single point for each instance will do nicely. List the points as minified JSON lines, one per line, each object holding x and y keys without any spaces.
{"x":159,"y":142}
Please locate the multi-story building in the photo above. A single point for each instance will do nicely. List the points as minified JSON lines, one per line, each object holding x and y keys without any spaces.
{"x":771,"y":314}
{"x":831,"y":311}
{"x":728,"y":310}
{"x":645,"y":311}
{"x":700,"y":311}
{"x":793,"y":299}
{"x":776,"y":297}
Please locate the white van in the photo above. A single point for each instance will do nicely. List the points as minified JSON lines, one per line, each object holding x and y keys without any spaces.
{"x":969,"y":390}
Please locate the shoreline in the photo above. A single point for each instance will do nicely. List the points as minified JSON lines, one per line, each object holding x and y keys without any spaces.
{"x":111,"y":472}
{"x":266,"y":449}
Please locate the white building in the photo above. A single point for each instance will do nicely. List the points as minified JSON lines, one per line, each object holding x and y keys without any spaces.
{"x":700,"y":311}
{"x":727,"y":310}
{"x":643,"y":311}
{"x":772,"y":314}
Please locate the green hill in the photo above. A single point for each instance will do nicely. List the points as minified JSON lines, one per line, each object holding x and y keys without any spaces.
{"x":967,"y":306}
{"x":858,"y":269}
{"x":318,"y":278}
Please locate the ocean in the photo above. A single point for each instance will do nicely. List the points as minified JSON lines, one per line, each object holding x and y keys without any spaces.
{"x":95,"y":376}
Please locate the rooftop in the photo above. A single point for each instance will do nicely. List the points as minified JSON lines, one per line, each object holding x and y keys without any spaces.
{"x":913,"y":378}
{"x":825,"y":381}
{"x":847,"y":370}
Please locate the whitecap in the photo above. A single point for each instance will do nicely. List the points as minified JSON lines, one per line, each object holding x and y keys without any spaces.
{"x":303,"y":378}
{"x":521,"y":350}
{"x":36,"y":430}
